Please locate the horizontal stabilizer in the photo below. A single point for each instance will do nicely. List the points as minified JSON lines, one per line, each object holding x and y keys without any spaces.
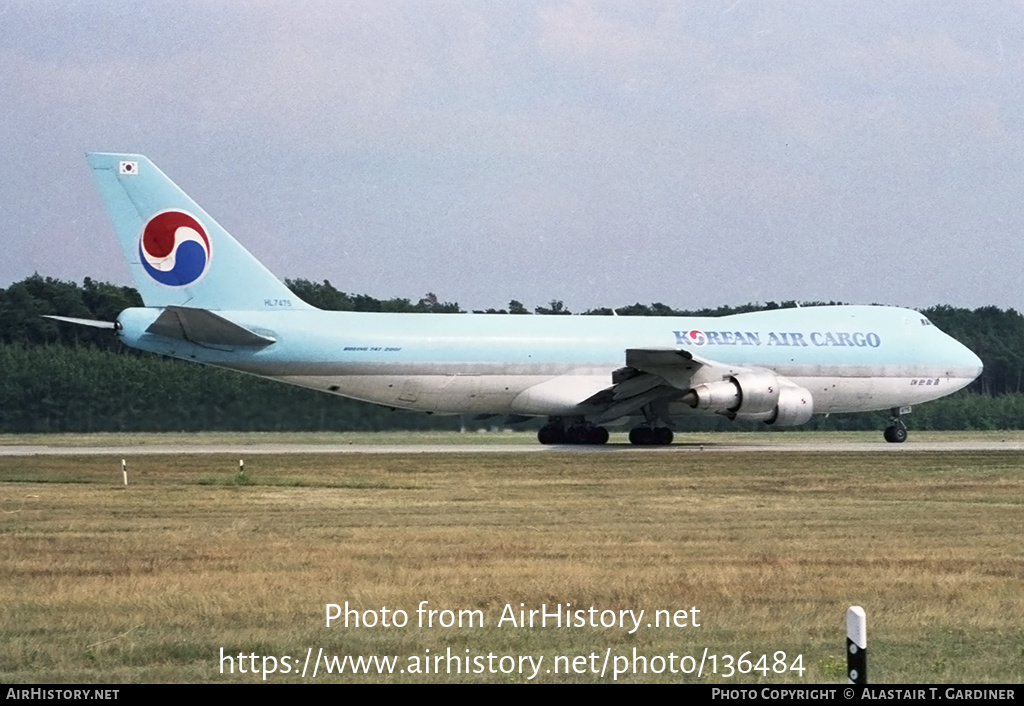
{"x":82,"y":322}
{"x":204,"y":328}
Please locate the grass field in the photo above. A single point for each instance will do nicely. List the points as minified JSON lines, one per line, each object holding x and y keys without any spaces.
{"x":504,"y":436}
{"x":103,"y":583}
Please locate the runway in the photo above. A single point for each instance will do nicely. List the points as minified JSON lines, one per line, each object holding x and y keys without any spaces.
{"x":953,"y":446}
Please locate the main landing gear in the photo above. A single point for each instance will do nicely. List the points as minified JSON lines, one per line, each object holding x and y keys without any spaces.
{"x":896,"y":431}
{"x":650,"y":436}
{"x":649,"y":433}
{"x":579,"y":432}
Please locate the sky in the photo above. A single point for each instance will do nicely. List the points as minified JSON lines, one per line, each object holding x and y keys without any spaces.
{"x":598,"y":153}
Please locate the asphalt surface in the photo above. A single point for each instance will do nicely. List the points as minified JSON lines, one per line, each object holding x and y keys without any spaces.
{"x":256,"y":449}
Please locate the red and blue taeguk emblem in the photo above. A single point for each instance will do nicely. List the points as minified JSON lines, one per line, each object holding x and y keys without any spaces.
{"x":174,"y":248}
{"x":697,"y":337}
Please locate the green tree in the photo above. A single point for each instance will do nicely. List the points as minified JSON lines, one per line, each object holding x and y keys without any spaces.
{"x":555,"y":306}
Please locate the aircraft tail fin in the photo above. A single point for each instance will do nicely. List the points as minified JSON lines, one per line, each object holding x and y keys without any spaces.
{"x":178,"y":254}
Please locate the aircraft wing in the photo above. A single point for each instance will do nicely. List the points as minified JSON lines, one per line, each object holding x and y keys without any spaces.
{"x":651,"y":376}
{"x":677,"y":366}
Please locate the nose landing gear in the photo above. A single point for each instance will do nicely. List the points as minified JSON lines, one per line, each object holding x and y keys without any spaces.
{"x":896,"y":431}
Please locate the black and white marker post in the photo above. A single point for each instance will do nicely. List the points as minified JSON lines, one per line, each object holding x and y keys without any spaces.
{"x":856,"y":646}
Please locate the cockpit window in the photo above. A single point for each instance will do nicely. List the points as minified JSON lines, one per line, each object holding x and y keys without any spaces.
{"x":925,"y":322}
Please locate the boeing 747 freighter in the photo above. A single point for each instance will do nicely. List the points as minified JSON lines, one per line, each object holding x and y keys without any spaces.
{"x":208,"y":300}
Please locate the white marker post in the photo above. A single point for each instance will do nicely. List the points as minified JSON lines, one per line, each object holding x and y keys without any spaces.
{"x":856,"y":646}
{"x":124,"y":471}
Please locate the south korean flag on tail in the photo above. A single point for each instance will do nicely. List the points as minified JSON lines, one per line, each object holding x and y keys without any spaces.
{"x":128,"y":168}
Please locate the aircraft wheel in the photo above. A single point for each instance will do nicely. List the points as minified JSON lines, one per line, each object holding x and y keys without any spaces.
{"x":663,"y":436}
{"x":895,"y":434}
{"x":577,"y":435}
{"x":598,"y":435}
{"x":550,"y":434}
{"x":641,"y":436}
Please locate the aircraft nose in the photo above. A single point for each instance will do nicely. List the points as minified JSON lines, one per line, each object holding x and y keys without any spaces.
{"x":969,"y":362}
{"x":978,"y":366}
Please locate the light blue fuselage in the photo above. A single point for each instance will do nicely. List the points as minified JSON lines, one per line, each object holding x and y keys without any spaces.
{"x":851,"y":358}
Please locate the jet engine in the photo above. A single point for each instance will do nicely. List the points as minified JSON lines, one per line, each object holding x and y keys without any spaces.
{"x":748,"y":393}
{"x":796,"y":405}
{"x":755,"y":394}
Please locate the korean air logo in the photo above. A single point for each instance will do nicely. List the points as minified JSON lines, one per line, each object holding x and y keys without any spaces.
{"x":697,"y":338}
{"x":174,"y":248}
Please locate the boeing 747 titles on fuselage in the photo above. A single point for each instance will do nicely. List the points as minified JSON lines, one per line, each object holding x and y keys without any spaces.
{"x":208,"y":300}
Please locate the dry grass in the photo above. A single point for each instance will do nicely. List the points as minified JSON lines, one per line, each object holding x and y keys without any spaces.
{"x":502,"y":436}
{"x":109,"y":584}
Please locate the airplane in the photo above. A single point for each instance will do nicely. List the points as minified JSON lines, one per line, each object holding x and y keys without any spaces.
{"x":208,"y":300}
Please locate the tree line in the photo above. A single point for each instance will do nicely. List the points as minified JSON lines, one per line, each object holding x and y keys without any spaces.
{"x":62,"y":377}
